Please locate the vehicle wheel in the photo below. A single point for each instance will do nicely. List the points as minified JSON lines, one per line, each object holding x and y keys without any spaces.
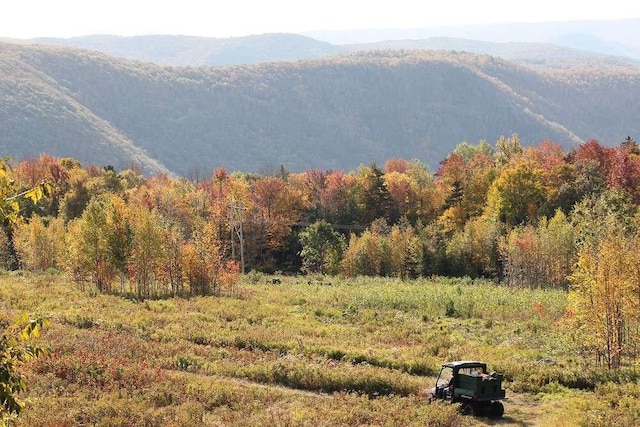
{"x":496,"y":410}
{"x":466,"y":409}
{"x":482,"y":408}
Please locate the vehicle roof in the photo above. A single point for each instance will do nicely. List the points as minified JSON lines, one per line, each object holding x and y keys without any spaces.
{"x":464,"y":364}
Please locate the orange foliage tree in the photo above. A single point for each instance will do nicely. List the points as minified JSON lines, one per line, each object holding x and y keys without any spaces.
{"x":539,"y":256}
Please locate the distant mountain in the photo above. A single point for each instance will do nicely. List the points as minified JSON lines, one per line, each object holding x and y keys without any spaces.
{"x":331,"y":113}
{"x":554,"y":45}
{"x":609,"y":37}
{"x":198,"y":51}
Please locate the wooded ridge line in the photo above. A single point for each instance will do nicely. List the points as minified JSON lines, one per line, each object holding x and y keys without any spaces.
{"x":334,"y":113}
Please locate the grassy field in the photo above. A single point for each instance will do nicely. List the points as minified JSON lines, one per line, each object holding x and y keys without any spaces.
{"x":306,"y":353}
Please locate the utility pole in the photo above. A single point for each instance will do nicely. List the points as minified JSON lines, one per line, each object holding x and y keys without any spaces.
{"x":235,"y":220}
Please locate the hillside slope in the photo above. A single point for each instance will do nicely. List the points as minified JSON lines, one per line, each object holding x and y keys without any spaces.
{"x":331,"y":113}
{"x":38,"y":114}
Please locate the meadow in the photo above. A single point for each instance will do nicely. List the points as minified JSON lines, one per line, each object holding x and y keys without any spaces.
{"x":309,"y":351}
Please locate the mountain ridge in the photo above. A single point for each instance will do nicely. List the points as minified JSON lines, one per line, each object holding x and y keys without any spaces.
{"x":610,"y":34}
{"x":333,"y":112}
{"x":613,"y":39}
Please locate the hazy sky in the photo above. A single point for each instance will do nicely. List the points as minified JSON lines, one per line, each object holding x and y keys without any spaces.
{"x":67,"y":18}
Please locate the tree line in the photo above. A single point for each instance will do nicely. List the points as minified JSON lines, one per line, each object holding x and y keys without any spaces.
{"x":506,"y":212}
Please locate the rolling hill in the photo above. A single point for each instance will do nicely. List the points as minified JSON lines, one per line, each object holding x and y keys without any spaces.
{"x":197,"y":51}
{"x":335,"y":112}
{"x":176,"y":50}
{"x":620,"y":37}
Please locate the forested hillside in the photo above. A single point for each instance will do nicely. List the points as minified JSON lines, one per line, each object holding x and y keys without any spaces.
{"x":333,"y":113}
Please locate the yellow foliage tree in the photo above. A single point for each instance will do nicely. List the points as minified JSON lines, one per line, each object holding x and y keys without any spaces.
{"x":39,"y":243}
{"x":604,"y":297}
{"x":204,"y":266}
{"x":88,"y":258}
{"x":146,"y":252}
{"x":516,"y":195}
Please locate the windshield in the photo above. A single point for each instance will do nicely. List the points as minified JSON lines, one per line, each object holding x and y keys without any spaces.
{"x":445,"y":377}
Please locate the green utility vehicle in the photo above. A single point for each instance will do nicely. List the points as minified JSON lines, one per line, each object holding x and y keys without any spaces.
{"x":468,"y":383}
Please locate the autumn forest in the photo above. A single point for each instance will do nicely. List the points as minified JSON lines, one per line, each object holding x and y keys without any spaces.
{"x":535,"y":217}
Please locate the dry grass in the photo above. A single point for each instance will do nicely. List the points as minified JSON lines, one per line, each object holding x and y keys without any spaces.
{"x":362,"y":352}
